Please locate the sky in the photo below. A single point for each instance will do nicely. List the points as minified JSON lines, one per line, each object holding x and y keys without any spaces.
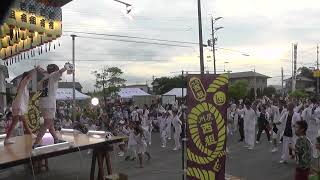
{"x":263,"y":29}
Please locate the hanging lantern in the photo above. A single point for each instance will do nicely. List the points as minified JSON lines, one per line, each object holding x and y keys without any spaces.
{"x":36,"y":40}
{"x":23,"y":35}
{"x":5,"y":41}
{"x":8,"y":52}
{"x":41,"y":20}
{"x":20,"y":46}
{"x":11,"y":20}
{"x":3,"y":53}
{"x":32,"y":18}
{"x":27,"y":44}
{"x":22,"y":20}
{"x":14,"y":36}
{"x":2,"y":32}
{"x":6,"y":29}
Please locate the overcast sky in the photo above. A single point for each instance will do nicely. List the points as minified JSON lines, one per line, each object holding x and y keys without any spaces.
{"x":265,"y":29}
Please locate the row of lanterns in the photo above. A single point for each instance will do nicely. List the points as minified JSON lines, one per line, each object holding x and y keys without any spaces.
{"x":29,"y":25}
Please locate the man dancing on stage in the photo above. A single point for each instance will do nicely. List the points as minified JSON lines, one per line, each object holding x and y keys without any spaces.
{"x":47,"y":102}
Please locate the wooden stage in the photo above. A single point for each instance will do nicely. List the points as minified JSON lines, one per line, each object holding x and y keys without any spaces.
{"x":21,"y":151}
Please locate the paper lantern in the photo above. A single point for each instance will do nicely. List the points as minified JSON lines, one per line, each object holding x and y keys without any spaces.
{"x":5,"y":42}
{"x":32,"y":18}
{"x":11,"y":20}
{"x":27,"y":44}
{"x":2,"y":32}
{"x":22,"y":20}
{"x":3,"y":53}
{"x":21,"y":46}
{"x":57,"y":29}
{"x":6,"y":29}
{"x":14,"y":38}
{"x":35,"y":40}
{"x":23,"y":34}
{"x":8,"y":51}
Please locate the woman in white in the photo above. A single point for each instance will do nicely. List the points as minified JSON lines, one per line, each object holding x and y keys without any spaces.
{"x":250,"y":119}
{"x":148,"y":124}
{"x":177,"y":130}
{"x":169,"y":123}
{"x":20,"y":106}
{"x":163,"y":127}
{"x":141,"y":144}
{"x":132,"y":144}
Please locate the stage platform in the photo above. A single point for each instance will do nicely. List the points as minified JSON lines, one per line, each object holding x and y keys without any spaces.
{"x":21,"y":151}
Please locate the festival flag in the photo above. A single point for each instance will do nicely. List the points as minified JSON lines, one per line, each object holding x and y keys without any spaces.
{"x":206,"y":126}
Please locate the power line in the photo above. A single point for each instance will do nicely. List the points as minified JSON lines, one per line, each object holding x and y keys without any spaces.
{"x":96,"y":60}
{"x":142,"y":42}
{"x":133,"y":37}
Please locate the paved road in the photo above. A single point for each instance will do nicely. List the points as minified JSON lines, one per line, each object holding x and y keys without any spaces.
{"x":259,"y":164}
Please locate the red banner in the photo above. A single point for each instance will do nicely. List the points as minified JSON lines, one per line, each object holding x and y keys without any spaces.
{"x":206,"y":126}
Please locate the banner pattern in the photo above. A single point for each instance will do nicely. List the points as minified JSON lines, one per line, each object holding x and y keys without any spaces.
{"x":206,"y":126}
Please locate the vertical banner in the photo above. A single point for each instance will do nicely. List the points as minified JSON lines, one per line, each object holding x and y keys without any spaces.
{"x":33,"y":114}
{"x":295,"y":57}
{"x":206,"y":126}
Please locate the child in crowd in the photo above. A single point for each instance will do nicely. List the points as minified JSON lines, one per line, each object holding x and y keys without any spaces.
{"x":132,"y":144}
{"x":141,"y":144}
{"x":303,"y":151}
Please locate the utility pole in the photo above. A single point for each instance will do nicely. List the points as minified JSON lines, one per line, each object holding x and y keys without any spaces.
{"x":282,"y":79}
{"x":213,"y":47}
{"x":255,"y":83}
{"x":73,"y":79}
{"x":317,"y":69}
{"x":200,"y":38}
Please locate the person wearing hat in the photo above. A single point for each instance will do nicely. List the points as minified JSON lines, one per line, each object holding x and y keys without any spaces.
{"x":47,"y":103}
{"x":20,"y":106}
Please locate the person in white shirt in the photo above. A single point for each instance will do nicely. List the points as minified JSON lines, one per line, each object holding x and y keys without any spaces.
{"x":147,"y":124}
{"x":47,"y":102}
{"x":311,"y":115}
{"x":20,"y":106}
{"x":250,"y":120}
{"x":177,"y":130}
{"x":287,"y":122}
{"x":163,"y":127}
{"x":169,"y":124}
{"x":274,"y":114}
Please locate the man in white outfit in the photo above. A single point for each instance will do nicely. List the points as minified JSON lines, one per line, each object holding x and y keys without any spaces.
{"x":47,"y":102}
{"x":250,"y":119}
{"x":287,"y":122}
{"x":311,"y":116}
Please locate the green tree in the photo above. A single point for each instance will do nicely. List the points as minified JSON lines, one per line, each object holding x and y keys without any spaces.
{"x":305,"y":72}
{"x":269,"y":91}
{"x":165,"y":84}
{"x":109,"y":79}
{"x":238,"y":90}
{"x":298,"y":94}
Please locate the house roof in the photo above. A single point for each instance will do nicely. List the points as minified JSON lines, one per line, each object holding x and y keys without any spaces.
{"x":69,"y":85}
{"x":300,"y":78}
{"x":130,"y":92}
{"x":246,"y":74}
{"x":176,"y":92}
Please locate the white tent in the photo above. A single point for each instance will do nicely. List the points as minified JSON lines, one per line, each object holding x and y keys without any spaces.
{"x":176,"y":92}
{"x":130,"y":92}
{"x":67,"y":94}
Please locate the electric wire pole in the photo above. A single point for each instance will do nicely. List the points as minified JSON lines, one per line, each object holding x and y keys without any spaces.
{"x":200,"y":38}
{"x":73,"y":79}
{"x":317,"y":69}
{"x":213,"y":47}
{"x":282,"y":79}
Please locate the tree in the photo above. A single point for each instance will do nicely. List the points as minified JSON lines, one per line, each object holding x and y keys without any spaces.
{"x":269,"y":91}
{"x":305,"y":72}
{"x":165,"y":84}
{"x":238,"y":90}
{"x":109,"y":79}
{"x":298,"y":94}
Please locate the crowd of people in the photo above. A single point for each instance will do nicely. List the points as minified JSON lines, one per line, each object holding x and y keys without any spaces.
{"x":293,"y":123}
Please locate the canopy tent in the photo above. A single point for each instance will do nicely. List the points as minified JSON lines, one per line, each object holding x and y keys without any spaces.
{"x":67,"y":94}
{"x":130,"y":92}
{"x":176,"y":92}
